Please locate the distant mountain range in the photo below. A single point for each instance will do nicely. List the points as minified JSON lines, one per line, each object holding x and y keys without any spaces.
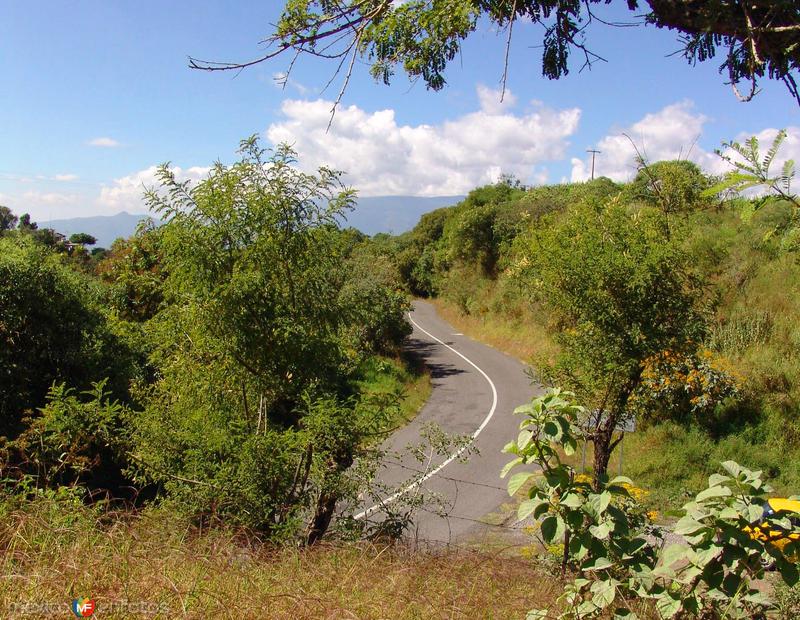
{"x":374,"y":214}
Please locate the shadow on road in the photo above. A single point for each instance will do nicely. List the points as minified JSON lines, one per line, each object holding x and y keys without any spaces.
{"x":422,"y":351}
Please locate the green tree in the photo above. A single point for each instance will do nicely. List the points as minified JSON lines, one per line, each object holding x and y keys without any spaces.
{"x":82,"y":239}
{"x":256,"y":414}
{"x":758,"y":38}
{"x":676,"y":187}
{"x":620,"y":291}
{"x":751,"y":170}
{"x":134,"y":269}
{"x":8,"y":220}
{"x":25,"y":223}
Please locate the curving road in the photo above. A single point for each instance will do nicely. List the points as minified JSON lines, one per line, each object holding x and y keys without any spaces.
{"x":475,"y":390}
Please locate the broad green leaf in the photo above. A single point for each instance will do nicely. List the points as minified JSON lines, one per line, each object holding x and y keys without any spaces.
{"x":527,"y":507}
{"x":717,"y":479}
{"x":509,"y":466}
{"x":541,"y":509}
{"x":733,"y":468}
{"x":552,"y":528}
{"x":510,"y":448}
{"x":526,"y":408}
{"x":599,"y":502}
{"x":600,"y":531}
{"x":673,"y":553}
{"x":572,"y":500}
{"x":713,"y":492}
{"x":668,"y":605}
{"x":597,"y":564}
{"x":704,"y":556}
{"x":621,"y":480}
{"x":551,"y":429}
{"x":523,"y":439}
{"x":604,"y":593}
{"x":517,"y":480}
{"x":754,"y":512}
{"x":789,"y":572}
{"x":687,"y":526}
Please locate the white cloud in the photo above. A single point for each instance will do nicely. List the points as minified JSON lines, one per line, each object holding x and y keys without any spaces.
{"x":36,"y":197}
{"x":104,"y":142}
{"x":66,"y":177}
{"x":670,"y":133}
{"x":382,"y":157}
{"x":125,"y":193}
{"x":490,"y":99}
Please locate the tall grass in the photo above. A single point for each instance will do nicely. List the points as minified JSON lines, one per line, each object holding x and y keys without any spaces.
{"x":54,"y":551}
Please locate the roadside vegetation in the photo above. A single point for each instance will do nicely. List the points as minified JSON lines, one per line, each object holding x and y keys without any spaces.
{"x":232,"y":363}
{"x":665,"y":295}
{"x":198,"y":406}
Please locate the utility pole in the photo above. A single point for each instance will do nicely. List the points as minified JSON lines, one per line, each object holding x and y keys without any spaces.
{"x":593,"y":152}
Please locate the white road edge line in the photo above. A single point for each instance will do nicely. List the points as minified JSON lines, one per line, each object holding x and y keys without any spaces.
{"x":455,"y":455}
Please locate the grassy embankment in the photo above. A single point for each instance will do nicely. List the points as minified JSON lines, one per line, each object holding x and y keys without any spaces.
{"x":54,"y":552}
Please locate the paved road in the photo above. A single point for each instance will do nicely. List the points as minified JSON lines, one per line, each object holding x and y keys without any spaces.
{"x":466,"y":397}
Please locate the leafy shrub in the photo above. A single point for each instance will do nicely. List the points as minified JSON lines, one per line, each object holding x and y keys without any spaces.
{"x":620,"y":291}
{"x":712,"y":576}
{"x":52,"y":331}
{"x":684,"y":387}
{"x":76,"y":439}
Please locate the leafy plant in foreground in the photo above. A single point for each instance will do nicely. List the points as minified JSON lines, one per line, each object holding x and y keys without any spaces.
{"x":616,"y":567}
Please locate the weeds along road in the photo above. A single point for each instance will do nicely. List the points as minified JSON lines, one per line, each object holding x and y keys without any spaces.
{"x":475,"y":391}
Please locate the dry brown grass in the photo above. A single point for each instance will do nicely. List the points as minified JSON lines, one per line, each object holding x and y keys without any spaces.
{"x":52,"y":555}
{"x":521,"y":338}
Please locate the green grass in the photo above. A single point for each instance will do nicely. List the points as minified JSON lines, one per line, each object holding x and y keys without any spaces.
{"x":404,"y":374}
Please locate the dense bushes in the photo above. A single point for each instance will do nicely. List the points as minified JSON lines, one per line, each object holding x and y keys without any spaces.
{"x":52,"y":330}
{"x":218,"y":362}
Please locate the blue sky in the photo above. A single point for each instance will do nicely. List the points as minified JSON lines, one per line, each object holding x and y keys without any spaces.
{"x":94,"y":94}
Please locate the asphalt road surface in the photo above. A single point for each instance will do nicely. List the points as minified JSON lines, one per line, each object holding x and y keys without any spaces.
{"x":475,"y":391}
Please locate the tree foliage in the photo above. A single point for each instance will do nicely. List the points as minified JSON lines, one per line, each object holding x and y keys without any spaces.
{"x":82,"y":238}
{"x":8,"y":220}
{"x":757,"y":38}
{"x":256,"y":415}
{"x":51,"y":331}
{"x":621,"y":292}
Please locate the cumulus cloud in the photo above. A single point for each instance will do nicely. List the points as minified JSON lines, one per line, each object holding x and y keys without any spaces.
{"x":670,"y":133}
{"x":125,"y":193}
{"x":384,"y":157}
{"x":66,"y":177}
{"x":490,"y":102}
{"x":105,"y":142}
{"x":36,"y":197}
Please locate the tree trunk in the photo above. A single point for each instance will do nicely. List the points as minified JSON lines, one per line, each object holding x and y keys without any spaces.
{"x":322,"y":517}
{"x":602,"y":449}
{"x":326,"y":503}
